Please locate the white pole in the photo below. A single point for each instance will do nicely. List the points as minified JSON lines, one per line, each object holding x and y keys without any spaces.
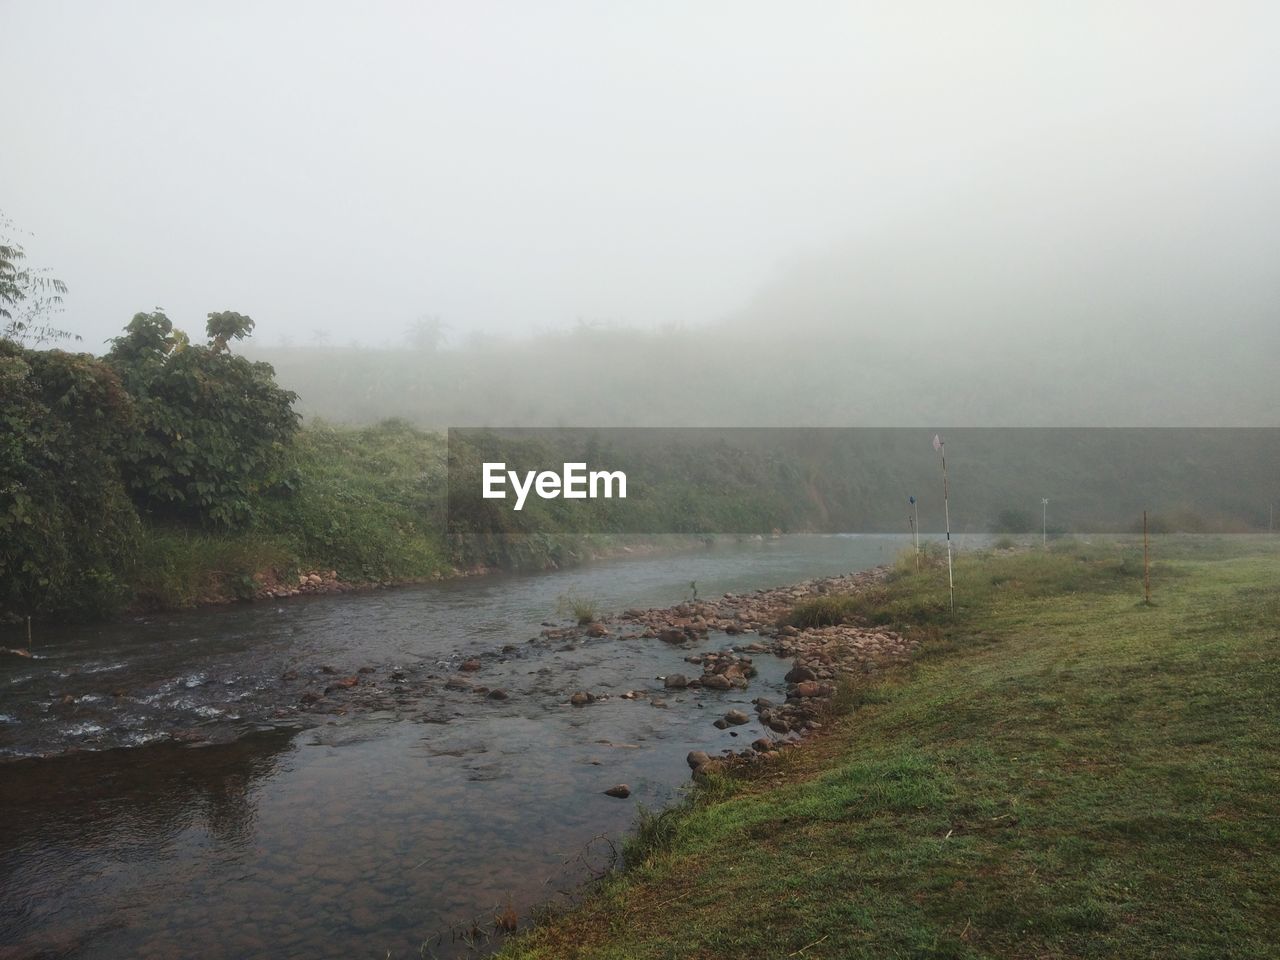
{"x":915,"y":528}
{"x":946,"y":511}
{"x":1044,"y":522}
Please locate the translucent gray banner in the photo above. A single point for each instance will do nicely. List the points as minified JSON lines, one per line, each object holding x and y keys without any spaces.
{"x":831,"y":480}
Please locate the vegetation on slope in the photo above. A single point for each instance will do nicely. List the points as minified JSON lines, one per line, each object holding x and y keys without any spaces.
{"x":1065,"y":772}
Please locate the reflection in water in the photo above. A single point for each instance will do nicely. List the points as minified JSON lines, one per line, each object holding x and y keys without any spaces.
{"x":87,"y":838}
{"x":367,"y":833}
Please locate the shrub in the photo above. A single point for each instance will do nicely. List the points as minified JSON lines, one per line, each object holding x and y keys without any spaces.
{"x":583,"y":609}
{"x":212,"y":428}
{"x":67,"y":528}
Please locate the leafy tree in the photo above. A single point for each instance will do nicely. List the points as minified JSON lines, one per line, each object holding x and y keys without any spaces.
{"x":212,"y":426}
{"x":28,"y":296}
{"x":68,"y":531}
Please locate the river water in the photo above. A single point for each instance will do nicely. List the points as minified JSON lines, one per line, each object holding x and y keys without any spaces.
{"x":161,"y":794}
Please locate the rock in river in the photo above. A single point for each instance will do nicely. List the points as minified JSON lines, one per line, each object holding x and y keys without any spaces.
{"x":676,"y":681}
{"x":737,"y":717}
{"x":621,"y":791}
{"x":697,"y":758}
{"x":799,"y":673}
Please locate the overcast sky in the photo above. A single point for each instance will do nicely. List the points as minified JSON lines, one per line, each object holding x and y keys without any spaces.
{"x":513,"y":167}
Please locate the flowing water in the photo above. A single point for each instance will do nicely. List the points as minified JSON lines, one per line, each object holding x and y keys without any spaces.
{"x":162,"y":795}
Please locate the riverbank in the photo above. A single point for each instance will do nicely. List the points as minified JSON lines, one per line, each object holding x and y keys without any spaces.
{"x":1061,"y":770}
{"x":358,"y":509}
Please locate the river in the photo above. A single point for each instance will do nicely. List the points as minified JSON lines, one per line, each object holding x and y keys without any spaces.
{"x":161,"y":796}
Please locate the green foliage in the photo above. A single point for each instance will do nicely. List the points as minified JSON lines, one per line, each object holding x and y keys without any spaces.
{"x":178,"y":567}
{"x":67,"y":529}
{"x":28,"y":295}
{"x":213,"y":428}
{"x":582,"y":609}
{"x":369,"y":502}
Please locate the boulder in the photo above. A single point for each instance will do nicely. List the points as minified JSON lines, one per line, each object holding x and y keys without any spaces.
{"x":800,"y":673}
{"x":716,"y":681}
{"x":675,"y":681}
{"x":697,"y":758}
{"x":470,"y":666}
{"x":736,"y":717}
{"x":621,"y":791}
{"x":597,"y":630}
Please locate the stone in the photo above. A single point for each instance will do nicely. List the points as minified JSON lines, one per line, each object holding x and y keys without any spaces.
{"x":597,"y":630}
{"x":498,"y":694}
{"x":470,"y":666}
{"x":716,"y":681}
{"x":697,"y":758}
{"x":621,"y":791}
{"x":671,"y":636}
{"x":809,"y":688}
{"x":762,"y":745}
{"x":776,"y":724}
{"x":799,"y":674}
{"x":581,"y":699}
{"x":737,"y":717}
{"x":676,"y":681}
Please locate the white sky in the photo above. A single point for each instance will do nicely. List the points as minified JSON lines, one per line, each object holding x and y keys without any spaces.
{"x":514,"y":166}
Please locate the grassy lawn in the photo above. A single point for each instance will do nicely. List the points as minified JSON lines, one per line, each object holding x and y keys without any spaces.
{"x":1065,"y":772}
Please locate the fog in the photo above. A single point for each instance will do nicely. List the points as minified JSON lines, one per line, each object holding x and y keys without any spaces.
{"x":1072,"y":202}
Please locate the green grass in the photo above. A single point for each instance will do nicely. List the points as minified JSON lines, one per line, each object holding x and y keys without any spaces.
{"x":369,"y":502}
{"x":181,"y":568}
{"x":582,"y":609}
{"x":1064,"y":772}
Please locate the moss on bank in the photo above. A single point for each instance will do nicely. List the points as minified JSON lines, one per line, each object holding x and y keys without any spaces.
{"x":1065,"y":772}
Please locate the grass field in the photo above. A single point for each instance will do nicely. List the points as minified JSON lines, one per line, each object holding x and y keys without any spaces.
{"x":1065,"y":772}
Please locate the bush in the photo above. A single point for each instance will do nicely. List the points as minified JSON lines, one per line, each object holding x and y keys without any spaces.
{"x":212,"y":428}
{"x":67,"y":528}
{"x":583,"y":609}
{"x":368,"y":502}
